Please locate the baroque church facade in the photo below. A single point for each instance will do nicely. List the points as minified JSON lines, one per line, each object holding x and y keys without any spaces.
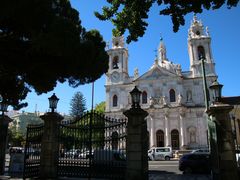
{"x":173,"y":98}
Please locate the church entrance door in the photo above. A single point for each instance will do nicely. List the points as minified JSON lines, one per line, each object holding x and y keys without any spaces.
{"x":160,"y":138}
{"x":175,"y":139}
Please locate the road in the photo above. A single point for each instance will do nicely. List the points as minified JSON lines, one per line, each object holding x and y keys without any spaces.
{"x":161,"y":170}
{"x":169,"y":167}
{"x":168,"y":170}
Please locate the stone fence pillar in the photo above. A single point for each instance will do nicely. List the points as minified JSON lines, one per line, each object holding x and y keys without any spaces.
{"x":4,"y":121}
{"x":50,"y":145}
{"x":137,"y":144}
{"x":225,"y":141}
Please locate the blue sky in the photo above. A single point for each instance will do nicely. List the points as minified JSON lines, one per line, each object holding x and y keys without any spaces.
{"x":224,"y":28}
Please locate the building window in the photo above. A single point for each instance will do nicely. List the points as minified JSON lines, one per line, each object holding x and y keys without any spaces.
{"x":201,"y":52}
{"x":144,"y":97}
{"x":160,"y":138}
{"x":115,"y":100}
{"x":172,"y":95}
{"x":115,"y":62}
{"x":175,"y":139}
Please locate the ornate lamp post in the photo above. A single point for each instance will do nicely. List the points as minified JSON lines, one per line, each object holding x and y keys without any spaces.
{"x":224,"y":145}
{"x":53,"y":100}
{"x":50,"y":140}
{"x":135,"y":94}
{"x":137,"y":159}
{"x":212,"y":137}
{"x":217,"y":91}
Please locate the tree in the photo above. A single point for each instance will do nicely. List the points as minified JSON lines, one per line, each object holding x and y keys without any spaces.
{"x":78,"y":105}
{"x":100,"y":107}
{"x":132,"y":15}
{"x":15,"y":138}
{"x":42,"y":42}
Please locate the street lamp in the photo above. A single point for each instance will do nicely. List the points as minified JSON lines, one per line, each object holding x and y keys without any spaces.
{"x":53,"y":100}
{"x":206,"y":94}
{"x":3,"y":107}
{"x":135,"y":94}
{"x":217,"y":91}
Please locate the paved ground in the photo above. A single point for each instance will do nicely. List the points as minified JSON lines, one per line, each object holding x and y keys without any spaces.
{"x":158,"y":170}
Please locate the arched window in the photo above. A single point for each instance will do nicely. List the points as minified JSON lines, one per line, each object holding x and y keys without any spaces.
{"x":114,"y":140}
{"x":160,"y":138}
{"x":115,"y":100}
{"x":144,"y":97}
{"x":175,"y":139}
{"x":201,"y":52}
{"x":115,"y":62}
{"x":172,"y":95}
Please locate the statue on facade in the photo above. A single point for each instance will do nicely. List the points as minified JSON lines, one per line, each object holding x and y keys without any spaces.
{"x":189,"y":96}
{"x":207,"y":31}
{"x":179,"y":99}
{"x":164,"y":100}
{"x":151,"y":101}
{"x":136,"y":74}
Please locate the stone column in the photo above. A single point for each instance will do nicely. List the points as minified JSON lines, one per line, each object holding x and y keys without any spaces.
{"x":137,"y":144}
{"x":50,"y":145}
{"x":152,"y":132}
{"x":225,"y":143}
{"x":181,"y":115}
{"x":167,"y":134}
{"x":4,"y":121}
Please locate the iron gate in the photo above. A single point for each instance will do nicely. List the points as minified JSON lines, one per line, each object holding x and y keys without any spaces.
{"x":93,"y":146}
{"x":32,"y":151}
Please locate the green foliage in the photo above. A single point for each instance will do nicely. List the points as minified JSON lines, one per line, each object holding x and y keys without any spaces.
{"x":131,"y":15}
{"x":88,"y":128}
{"x":15,"y":138}
{"x":78,"y":105}
{"x":100,"y":107}
{"x":42,"y":42}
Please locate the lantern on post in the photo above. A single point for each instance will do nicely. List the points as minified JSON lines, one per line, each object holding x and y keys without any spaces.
{"x":53,"y":100}
{"x":135,"y":94}
{"x":216,"y":88}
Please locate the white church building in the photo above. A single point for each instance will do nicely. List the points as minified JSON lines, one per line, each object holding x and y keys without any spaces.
{"x":173,"y":98}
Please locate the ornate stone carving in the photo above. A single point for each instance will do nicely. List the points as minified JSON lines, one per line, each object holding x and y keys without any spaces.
{"x":179,"y":99}
{"x":182,"y":112}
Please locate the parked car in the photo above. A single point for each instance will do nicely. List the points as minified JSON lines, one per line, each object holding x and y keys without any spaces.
{"x":85,"y":154}
{"x":16,"y":150}
{"x":195,"y":162}
{"x":200,"y":151}
{"x":110,"y":162}
{"x":160,"y":153}
{"x":114,"y":158}
{"x":72,"y":153}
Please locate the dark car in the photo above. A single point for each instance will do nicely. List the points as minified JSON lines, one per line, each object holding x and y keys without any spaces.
{"x":194,"y":162}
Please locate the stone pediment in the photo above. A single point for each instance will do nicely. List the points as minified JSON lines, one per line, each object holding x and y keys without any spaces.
{"x":157,"y":73}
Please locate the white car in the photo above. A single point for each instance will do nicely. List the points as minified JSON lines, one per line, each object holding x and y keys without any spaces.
{"x":72,"y":153}
{"x":160,"y":153}
{"x":85,"y":154}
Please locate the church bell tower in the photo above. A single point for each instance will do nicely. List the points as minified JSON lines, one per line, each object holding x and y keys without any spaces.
{"x":118,"y":62}
{"x":199,"y":46}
